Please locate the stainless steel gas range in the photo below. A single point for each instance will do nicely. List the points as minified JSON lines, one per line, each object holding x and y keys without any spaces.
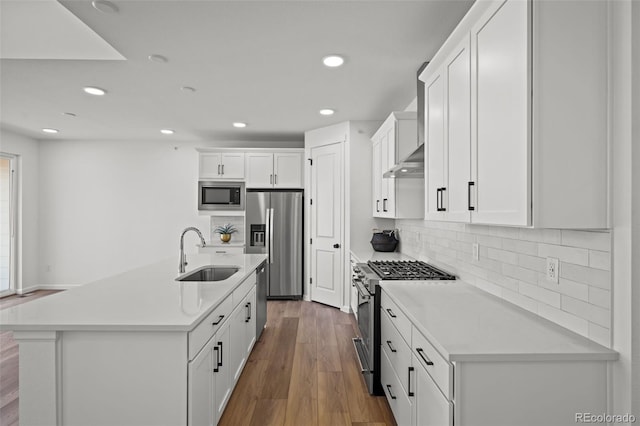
{"x":366,"y":277}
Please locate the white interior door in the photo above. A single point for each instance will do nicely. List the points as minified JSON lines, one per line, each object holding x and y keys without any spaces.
{"x":327,"y":225}
{"x":7,"y":224}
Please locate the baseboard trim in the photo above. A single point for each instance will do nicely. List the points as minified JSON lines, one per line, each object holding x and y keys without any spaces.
{"x":346,"y":309}
{"x":32,"y":288}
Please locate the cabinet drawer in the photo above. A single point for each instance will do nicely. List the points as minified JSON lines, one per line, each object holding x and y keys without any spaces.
{"x":397,"y":350}
{"x":244,"y":288}
{"x":396,"y":316}
{"x":203,"y":331}
{"x":438,"y":368}
{"x":398,"y":400}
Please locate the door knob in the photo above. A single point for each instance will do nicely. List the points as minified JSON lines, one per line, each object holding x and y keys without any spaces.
{"x":336,"y":246}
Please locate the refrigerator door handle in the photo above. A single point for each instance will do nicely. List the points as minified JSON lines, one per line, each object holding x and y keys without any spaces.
{"x":270,"y":235}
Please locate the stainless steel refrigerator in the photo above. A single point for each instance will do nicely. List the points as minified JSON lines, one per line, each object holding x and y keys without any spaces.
{"x":274,"y":226}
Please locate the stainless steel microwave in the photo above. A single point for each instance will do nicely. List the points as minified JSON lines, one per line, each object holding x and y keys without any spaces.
{"x":220,"y":195}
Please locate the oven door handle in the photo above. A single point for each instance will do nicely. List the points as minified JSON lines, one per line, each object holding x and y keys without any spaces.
{"x":358,"y":344}
{"x":364,"y":293}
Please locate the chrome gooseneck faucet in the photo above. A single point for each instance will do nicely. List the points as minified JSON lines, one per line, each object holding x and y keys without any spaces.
{"x":183,"y":257}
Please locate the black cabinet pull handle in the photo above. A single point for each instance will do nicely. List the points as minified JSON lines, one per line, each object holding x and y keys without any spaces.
{"x":384,"y":204}
{"x":219,"y":169}
{"x":423,"y":356}
{"x":444,"y":209}
{"x":216,"y":369}
{"x":410,"y":392}
{"x":220,"y":362}
{"x":390,"y":393}
{"x":220,"y":318}
{"x":377,"y":205}
{"x":438,"y":199}
{"x":471,"y":208}
{"x":223,"y":169}
{"x":391,"y":314}
{"x":248,"y":306}
{"x":390,"y":347}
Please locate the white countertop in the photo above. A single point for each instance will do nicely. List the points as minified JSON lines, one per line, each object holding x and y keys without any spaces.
{"x":146,"y":298}
{"x":467,"y":324}
{"x":362,"y":254}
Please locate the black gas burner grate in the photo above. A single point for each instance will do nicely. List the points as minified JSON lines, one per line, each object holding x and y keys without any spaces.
{"x":407,"y":270}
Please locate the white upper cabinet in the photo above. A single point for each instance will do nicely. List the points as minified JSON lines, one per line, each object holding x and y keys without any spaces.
{"x":221,"y":165}
{"x":393,"y":141}
{"x":274,"y":170}
{"x":522,"y":137}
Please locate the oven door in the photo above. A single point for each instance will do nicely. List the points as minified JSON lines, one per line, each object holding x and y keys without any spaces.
{"x":364,"y":344}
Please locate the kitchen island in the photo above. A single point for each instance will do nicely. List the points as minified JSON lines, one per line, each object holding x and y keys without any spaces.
{"x":138,"y":348}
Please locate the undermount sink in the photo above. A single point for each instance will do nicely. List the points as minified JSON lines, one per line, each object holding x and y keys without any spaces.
{"x":209,"y":273}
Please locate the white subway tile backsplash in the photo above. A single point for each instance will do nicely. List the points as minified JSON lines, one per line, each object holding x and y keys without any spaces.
{"x":583,"y":274}
{"x":534,"y":263}
{"x":519,"y":246}
{"x":587,"y":239}
{"x":599,"y":334}
{"x":565,"y":319}
{"x":512,"y":266}
{"x":600,"y":297}
{"x":502,"y":256}
{"x":578,"y":256}
{"x":600,"y":260}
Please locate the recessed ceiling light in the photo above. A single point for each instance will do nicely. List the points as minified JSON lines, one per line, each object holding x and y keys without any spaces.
{"x":333,"y":61}
{"x":239,"y":124}
{"x":404,"y":170}
{"x":104,"y":6}
{"x":50,"y":130}
{"x":94,"y":91}
{"x":188,"y":89}
{"x":158,"y":58}
{"x":326,"y":111}
{"x":69,"y":114}
{"x":167,"y":131}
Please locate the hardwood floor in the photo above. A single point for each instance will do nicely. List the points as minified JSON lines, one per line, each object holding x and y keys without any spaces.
{"x":9,"y":362}
{"x":304,"y":371}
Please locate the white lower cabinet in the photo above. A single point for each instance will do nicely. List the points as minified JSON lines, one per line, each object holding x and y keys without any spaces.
{"x":399,"y":400}
{"x":215,"y":370}
{"x":430,"y":406}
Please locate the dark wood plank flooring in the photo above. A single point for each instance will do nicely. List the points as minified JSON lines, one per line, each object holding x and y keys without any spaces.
{"x":9,"y":361}
{"x":302,"y":371}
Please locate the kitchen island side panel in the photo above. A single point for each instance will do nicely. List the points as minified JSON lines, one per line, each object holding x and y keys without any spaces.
{"x":124,"y":378}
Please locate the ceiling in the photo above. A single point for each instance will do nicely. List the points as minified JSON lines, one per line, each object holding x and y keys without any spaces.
{"x":258,"y":62}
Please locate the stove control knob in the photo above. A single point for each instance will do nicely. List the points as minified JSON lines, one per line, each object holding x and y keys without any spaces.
{"x":356,"y":269}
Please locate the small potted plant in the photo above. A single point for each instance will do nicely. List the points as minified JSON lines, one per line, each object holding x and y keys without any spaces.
{"x":225,"y":232}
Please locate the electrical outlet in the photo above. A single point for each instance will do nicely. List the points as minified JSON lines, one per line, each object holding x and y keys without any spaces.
{"x":476,"y":251}
{"x":552,"y":269}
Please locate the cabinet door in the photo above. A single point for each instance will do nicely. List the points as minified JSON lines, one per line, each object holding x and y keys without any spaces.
{"x":457,"y":70}
{"x":259,"y":170}
{"x":210,"y":165}
{"x":201,"y":396}
{"x":431,"y":408}
{"x":385,"y":184}
{"x":376,"y":176}
{"x":250,"y":322}
{"x":222,"y":369}
{"x":287,"y":170}
{"x":391,"y":158}
{"x":435,"y":196}
{"x":500,"y":51}
{"x":232,"y":166}
{"x":237,"y":349}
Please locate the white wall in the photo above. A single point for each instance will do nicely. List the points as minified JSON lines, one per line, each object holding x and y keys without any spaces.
{"x":110,"y":206}
{"x":27,"y":232}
